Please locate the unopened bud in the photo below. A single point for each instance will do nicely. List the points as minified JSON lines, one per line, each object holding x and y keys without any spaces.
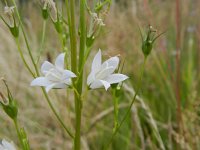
{"x":15,"y":31}
{"x":147,"y":43}
{"x":45,"y":13}
{"x":58,"y":25}
{"x":10,"y":20}
{"x":90,"y":40}
{"x":9,"y":106}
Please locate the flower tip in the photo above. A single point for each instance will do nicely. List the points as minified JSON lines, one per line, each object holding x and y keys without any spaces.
{"x":106,"y":88}
{"x":47,"y":90}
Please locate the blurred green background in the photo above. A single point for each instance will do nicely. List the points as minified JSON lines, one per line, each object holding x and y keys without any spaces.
{"x":171,"y":75}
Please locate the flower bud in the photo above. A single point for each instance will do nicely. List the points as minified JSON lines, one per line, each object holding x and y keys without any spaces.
{"x":15,"y":31}
{"x":10,"y":21}
{"x":10,"y":108}
{"x":10,"y":105}
{"x":58,"y":25}
{"x":90,"y":40}
{"x":147,"y":47}
{"x":45,"y":13}
{"x":147,"y":43}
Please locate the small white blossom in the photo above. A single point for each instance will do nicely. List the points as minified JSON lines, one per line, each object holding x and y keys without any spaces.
{"x":55,"y":76}
{"x":97,"y":20}
{"x":9,"y":10}
{"x":102,"y":74}
{"x":5,"y":145}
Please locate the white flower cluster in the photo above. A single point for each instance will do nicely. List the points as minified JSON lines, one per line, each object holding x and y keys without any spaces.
{"x":55,"y":76}
{"x":102,"y":74}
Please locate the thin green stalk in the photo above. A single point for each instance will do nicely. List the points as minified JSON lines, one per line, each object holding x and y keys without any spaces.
{"x":82,"y":42}
{"x":42,"y":41}
{"x":78,"y":108}
{"x":18,"y":133}
{"x":78,"y":100}
{"x":73,"y":37}
{"x":54,"y":111}
{"x":72,"y":31}
{"x":37,"y":72}
{"x":69,"y":24}
{"x":61,"y":40}
{"x":116,"y":111}
{"x":25,"y":38}
{"x":22,"y":57}
{"x":129,"y":108}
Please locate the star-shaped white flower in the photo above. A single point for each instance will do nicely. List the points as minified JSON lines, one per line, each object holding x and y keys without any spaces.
{"x":5,"y":145}
{"x":55,"y":76}
{"x":102,"y":74}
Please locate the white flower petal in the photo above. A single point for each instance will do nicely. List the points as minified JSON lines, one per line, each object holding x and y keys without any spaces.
{"x":116,"y":78}
{"x":111,"y":62}
{"x":49,"y":87}
{"x":60,"y":61}
{"x":105,"y":72}
{"x":60,"y":86}
{"x":96,"y":64}
{"x":46,"y":66}
{"x":99,"y":83}
{"x":40,"y":81}
{"x":7,"y":145}
{"x":69,"y":74}
{"x":68,"y":81}
{"x":56,"y":86}
{"x":91,"y":78}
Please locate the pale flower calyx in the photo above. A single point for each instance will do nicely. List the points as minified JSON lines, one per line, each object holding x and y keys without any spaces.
{"x":55,"y":76}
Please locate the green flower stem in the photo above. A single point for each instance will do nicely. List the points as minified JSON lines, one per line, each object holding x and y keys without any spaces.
{"x":18,"y":133}
{"x":42,"y":41}
{"x":78,"y":100}
{"x":22,"y":57}
{"x":25,"y":38}
{"x":82,"y":34}
{"x":129,"y":108}
{"x":37,"y":72}
{"x":78,"y":103}
{"x":116,"y":111}
{"x":55,"y":113}
{"x":78,"y":109}
{"x":73,"y":41}
{"x":60,"y":35}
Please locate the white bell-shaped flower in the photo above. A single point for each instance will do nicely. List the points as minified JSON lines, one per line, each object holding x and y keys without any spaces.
{"x":102,"y":74}
{"x":5,"y":145}
{"x":55,"y":76}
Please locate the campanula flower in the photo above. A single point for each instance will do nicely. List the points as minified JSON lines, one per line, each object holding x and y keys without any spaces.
{"x":102,"y":74}
{"x":5,"y":145}
{"x":55,"y":76}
